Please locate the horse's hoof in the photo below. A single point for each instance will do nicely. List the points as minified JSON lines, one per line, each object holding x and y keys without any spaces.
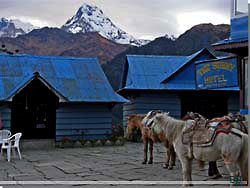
{"x":144,"y":162}
{"x":210,"y":173}
{"x":216,"y":176}
{"x":190,"y":184}
{"x":150,"y":162}
{"x":165,"y":166}
{"x":170,"y":168}
{"x":172,"y":164}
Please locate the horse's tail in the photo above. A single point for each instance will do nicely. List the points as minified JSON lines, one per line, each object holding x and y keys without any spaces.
{"x":243,"y":159}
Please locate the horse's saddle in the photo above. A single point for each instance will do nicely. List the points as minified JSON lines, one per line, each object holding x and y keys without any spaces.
{"x":201,"y":134}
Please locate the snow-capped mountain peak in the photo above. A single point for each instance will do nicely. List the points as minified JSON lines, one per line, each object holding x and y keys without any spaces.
{"x":92,"y":19}
{"x":25,"y":26}
{"x":172,"y":37}
{"x":14,"y":27}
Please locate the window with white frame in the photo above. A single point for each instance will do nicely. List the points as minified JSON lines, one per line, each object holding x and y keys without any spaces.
{"x":239,"y":8}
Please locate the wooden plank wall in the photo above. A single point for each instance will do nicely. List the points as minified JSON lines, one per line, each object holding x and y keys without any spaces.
{"x":152,"y":100}
{"x":86,"y":121}
{"x":5,"y":113}
{"x":234,"y":102}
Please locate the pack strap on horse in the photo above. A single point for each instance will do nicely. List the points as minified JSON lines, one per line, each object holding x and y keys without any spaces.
{"x":233,"y":118}
{"x":203,"y":136}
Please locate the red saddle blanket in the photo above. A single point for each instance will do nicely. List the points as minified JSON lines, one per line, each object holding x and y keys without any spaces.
{"x":223,"y":128}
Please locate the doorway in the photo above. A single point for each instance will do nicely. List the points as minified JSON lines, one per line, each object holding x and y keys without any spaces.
{"x":207,"y":103}
{"x":33,"y":111}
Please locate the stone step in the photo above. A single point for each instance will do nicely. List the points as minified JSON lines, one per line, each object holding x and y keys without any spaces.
{"x":37,"y":144}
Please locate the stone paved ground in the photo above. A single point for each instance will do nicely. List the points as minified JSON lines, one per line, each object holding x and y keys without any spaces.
{"x":107,"y":163}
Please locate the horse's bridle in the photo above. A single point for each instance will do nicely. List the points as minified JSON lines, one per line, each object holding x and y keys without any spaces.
{"x":149,"y":123}
{"x":151,"y":115}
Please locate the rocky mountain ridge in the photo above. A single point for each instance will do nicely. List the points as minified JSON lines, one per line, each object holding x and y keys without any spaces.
{"x":56,"y":42}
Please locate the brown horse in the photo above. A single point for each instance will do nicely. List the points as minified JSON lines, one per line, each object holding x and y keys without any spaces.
{"x":135,"y":121}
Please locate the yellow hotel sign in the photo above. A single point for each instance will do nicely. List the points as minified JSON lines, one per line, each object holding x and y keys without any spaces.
{"x":216,"y":73}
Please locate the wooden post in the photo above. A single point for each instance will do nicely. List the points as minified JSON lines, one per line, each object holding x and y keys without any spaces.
{"x":241,"y":81}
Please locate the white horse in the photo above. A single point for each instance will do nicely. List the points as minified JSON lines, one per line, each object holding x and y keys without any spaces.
{"x":231,"y":147}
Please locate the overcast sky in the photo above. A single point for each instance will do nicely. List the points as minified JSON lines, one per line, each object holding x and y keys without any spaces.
{"x":141,"y":18}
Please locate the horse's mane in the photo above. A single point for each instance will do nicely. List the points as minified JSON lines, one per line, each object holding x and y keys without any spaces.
{"x":170,"y":126}
{"x":165,"y":119}
{"x":136,"y":115}
{"x":193,"y":115}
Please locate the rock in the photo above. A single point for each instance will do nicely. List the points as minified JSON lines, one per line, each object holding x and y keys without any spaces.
{"x":87,"y":144}
{"x":108,"y":143}
{"x":98,"y":143}
{"x":78,"y":144}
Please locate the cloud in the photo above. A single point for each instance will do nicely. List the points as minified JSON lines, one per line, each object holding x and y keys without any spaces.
{"x":137,"y":17}
{"x":199,"y":17}
{"x":34,"y":21}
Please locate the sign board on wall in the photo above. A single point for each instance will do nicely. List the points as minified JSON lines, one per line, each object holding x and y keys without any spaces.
{"x":217,"y":73}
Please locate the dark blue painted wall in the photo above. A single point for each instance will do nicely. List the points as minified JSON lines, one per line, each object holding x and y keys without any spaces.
{"x":5,"y":113}
{"x":145,"y":101}
{"x":85,"y":121}
{"x":239,"y":28}
{"x":167,"y":101}
{"x":234,"y":102}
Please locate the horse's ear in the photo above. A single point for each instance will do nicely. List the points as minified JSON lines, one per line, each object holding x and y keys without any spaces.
{"x":150,"y":112}
{"x":154,"y":112}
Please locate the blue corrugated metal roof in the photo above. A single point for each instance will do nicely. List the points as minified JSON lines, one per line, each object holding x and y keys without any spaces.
{"x":147,"y":72}
{"x":238,"y":33}
{"x":239,"y":28}
{"x":227,"y":89}
{"x":75,"y":79}
{"x":217,"y":59}
{"x":230,"y":41}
